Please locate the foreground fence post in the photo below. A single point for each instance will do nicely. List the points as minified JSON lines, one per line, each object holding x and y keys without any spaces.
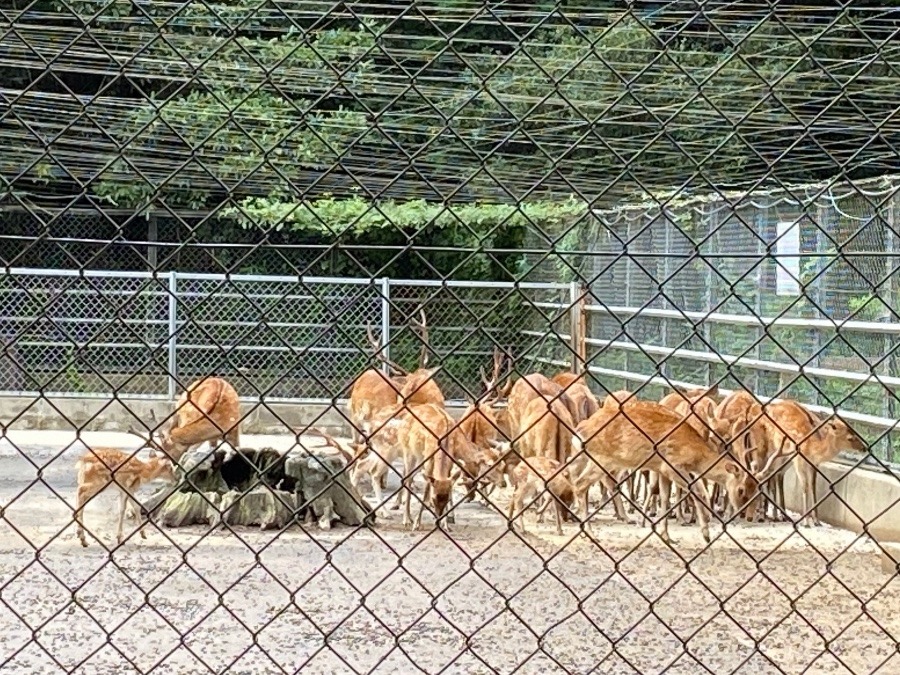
{"x":173,"y":327}
{"x":386,"y":322}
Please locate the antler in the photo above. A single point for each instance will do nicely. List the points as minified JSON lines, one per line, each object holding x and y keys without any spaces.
{"x":329,"y":441}
{"x":379,"y":353}
{"x":490,"y":383}
{"x":423,"y":335}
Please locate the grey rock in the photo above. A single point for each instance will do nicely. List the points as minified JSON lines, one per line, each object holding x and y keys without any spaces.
{"x":326,"y":490}
{"x":259,"y":487}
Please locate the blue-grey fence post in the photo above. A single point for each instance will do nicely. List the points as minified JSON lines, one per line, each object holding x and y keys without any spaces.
{"x":386,"y":322}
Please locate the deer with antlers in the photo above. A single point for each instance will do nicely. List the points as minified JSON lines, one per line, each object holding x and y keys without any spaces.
{"x":527,"y":389}
{"x":644,"y":434}
{"x":417,"y":387}
{"x":374,"y":391}
{"x":479,"y":422}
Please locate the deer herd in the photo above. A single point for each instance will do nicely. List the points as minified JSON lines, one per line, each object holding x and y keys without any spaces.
{"x":549,"y":440}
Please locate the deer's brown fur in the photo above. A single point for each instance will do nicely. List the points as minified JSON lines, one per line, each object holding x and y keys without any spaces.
{"x":101,"y":468}
{"x":207,"y":410}
{"x":646,"y":435}
{"x":534,"y":476}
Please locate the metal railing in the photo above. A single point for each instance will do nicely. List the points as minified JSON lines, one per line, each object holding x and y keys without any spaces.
{"x":97,"y":333}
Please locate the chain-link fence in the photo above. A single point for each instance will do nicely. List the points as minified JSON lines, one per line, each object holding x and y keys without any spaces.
{"x":783,"y":293}
{"x":104,"y":334}
{"x":333,"y":296}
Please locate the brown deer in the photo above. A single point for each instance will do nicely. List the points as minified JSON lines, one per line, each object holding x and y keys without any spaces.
{"x":425,"y":441}
{"x":419,"y":387}
{"x":479,"y":421}
{"x":525,"y":390}
{"x":545,"y":430}
{"x":375,"y":455}
{"x":736,"y":422}
{"x":373,"y":391}
{"x":731,"y":419}
{"x":208,"y":410}
{"x":565,"y":378}
{"x":646,"y":435}
{"x":790,"y":429}
{"x":100,"y":468}
{"x":583,"y":402}
{"x":696,"y":406}
{"x":534,"y":477}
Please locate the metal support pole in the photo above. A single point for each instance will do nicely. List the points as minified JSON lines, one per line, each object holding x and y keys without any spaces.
{"x":152,"y":237}
{"x":386,"y":322}
{"x":576,"y":341}
{"x":173,"y":328}
{"x":664,"y":369}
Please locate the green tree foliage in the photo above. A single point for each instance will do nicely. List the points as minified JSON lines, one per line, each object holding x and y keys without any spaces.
{"x":390,"y":119}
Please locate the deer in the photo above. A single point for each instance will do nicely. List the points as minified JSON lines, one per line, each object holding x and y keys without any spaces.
{"x":419,"y":387}
{"x":696,"y":406}
{"x":425,"y":440}
{"x":798,"y":433}
{"x":583,"y":402}
{"x":647,"y":435}
{"x":479,"y":422}
{"x":100,"y":468}
{"x":734,"y":421}
{"x":565,"y":378}
{"x":373,"y":391}
{"x":375,"y":455}
{"x":414,"y":388}
{"x":208,"y":410}
{"x":546,"y":431}
{"x":731,"y":417}
{"x":534,"y":477}
{"x":525,"y":390}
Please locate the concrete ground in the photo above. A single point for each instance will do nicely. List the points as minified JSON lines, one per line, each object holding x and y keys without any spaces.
{"x":762,"y":599}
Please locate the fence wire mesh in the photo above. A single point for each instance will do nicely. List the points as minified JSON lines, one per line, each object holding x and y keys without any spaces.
{"x":333,"y":297}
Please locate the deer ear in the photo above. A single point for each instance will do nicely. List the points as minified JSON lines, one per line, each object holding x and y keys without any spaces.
{"x":733,"y":469}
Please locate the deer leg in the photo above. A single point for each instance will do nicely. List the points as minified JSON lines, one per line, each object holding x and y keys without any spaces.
{"x":611,"y":485}
{"x":512,"y":509}
{"x":780,"y":507}
{"x":426,"y":495}
{"x":81,"y":498}
{"x":702,"y":506}
{"x":650,"y":498}
{"x":559,"y":514}
{"x":632,"y":482}
{"x":134,"y":509}
{"x":664,"y":497}
{"x":123,"y":504}
{"x":806,"y":475}
{"x":406,"y":491}
{"x":522,"y":494}
{"x":542,"y":507}
{"x":377,"y":474}
{"x":403,"y":483}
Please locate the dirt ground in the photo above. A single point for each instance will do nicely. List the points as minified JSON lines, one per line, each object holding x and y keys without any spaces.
{"x":761,"y":599}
